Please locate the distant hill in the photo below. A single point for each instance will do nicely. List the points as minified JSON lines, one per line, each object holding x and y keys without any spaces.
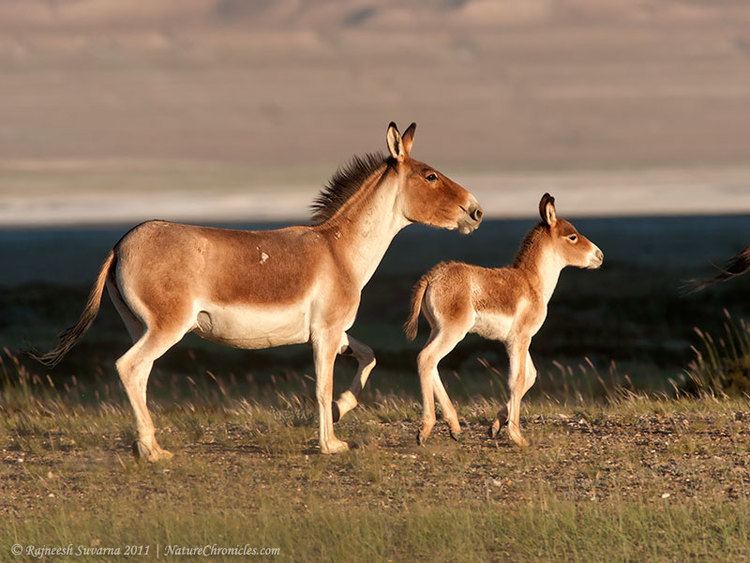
{"x":295,"y":84}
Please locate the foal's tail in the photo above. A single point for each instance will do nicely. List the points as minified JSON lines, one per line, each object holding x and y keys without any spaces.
{"x":735,"y":266}
{"x":69,"y":337}
{"x":412,"y":323}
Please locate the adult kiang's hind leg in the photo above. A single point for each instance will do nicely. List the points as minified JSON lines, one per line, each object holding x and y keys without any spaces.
{"x":133,"y":324}
{"x":153,"y":333}
{"x":134,"y":368}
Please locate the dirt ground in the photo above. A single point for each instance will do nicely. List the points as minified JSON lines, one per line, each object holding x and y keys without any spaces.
{"x":644,"y":452}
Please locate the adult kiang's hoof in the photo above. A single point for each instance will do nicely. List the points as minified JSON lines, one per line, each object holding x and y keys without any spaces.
{"x":150,"y":452}
{"x":334,"y":446}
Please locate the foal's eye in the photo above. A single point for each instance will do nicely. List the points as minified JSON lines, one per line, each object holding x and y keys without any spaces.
{"x":431,"y":177}
{"x":572,"y":238}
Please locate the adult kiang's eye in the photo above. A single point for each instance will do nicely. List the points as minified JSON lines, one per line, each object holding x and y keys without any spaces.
{"x":431,"y":177}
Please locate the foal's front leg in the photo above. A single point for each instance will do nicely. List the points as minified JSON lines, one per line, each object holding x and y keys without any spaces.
{"x":518,"y":352}
{"x":502,"y":415}
{"x":325,"y":349}
{"x":365,"y":363}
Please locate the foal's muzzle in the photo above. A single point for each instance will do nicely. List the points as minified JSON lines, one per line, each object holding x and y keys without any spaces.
{"x":596,"y":260}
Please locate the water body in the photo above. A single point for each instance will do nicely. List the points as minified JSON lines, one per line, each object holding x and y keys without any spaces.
{"x":631,"y":312}
{"x":72,"y":255}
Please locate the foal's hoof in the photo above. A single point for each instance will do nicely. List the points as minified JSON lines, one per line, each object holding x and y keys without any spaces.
{"x":520,"y":441}
{"x":424,"y":432}
{"x":336,"y":412}
{"x":456,"y":435}
{"x":422,"y":436}
{"x":151,"y":453}
{"x":494,"y":429}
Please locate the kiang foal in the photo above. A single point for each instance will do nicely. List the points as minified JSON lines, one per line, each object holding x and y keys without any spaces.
{"x":507,"y":304}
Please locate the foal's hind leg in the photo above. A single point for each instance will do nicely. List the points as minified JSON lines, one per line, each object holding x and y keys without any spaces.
{"x":449,"y":411}
{"x":134,"y":368}
{"x":442,"y":341}
{"x":366,"y":361}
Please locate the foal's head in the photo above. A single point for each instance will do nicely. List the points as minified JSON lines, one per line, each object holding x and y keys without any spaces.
{"x":570,"y":246}
{"x":429,"y":196}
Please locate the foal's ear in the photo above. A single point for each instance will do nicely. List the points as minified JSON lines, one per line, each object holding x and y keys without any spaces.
{"x":547,"y":210}
{"x":408,"y":138}
{"x":395,"y":142}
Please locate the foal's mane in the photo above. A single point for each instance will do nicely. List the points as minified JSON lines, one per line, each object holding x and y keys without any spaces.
{"x":346,"y":181}
{"x":530,"y":243}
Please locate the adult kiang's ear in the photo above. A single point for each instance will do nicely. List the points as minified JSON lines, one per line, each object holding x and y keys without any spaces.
{"x":395,"y":142}
{"x":408,"y":138}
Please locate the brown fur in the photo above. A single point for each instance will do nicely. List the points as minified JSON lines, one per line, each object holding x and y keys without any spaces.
{"x":412,"y":323}
{"x":507,"y":304}
{"x":258,"y":289}
{"x":228,"y":265}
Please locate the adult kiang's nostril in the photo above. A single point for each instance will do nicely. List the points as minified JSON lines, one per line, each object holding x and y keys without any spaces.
{"x":476,"y":214}
{"x":600,"y":255}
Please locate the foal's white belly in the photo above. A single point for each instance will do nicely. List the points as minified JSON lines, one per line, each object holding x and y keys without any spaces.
{"x":494,"y":326}
{"x":254,"y":327}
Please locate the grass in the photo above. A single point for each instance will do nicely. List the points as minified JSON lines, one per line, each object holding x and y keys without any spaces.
{"x":610,"y":470}
{"x":721,"y":366}
{"x":551,"y":530}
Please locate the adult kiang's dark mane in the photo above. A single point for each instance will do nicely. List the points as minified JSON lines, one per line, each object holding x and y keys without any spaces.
{"x":346,"y":181}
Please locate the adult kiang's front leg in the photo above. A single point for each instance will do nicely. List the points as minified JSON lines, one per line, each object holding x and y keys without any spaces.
{"x":365,"y":357}
{"x":325,"y":349}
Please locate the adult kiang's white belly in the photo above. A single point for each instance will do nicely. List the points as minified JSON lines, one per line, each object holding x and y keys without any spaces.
{"x":254,"y":326}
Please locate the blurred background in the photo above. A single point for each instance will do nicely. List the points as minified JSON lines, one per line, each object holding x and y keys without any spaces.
{"x":228,"y":112}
